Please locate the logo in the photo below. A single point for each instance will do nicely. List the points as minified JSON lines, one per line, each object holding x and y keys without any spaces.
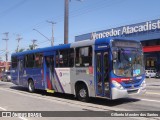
{"x":6,"y":114}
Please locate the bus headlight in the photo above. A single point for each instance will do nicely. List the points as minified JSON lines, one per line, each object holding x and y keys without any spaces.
{"x":117,"y":85}
{"x":143,"y":84}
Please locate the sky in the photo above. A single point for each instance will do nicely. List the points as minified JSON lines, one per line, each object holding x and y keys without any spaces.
{"x":20,"y":17}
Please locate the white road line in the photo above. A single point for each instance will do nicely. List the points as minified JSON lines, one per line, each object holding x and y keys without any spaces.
{"x":83,"y":105}
{"x":150,"y":100}
{"x":65,"y":101}
{"x":2,"y":108}
{"x":152,"y":93}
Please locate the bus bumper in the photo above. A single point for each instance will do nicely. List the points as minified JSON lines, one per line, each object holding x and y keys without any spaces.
{"x":117,"y":93}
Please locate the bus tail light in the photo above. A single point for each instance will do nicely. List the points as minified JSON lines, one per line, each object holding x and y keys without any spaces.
{"x":117,"y":85}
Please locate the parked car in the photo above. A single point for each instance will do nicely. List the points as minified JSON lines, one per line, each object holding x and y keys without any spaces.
{"x":158,"y":74}
{"x":1,"y":75}
{"x":150,"y":73}
{"x":6,"y":76}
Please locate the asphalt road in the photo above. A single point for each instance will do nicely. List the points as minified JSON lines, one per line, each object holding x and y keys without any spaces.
{"x":15,"y":98}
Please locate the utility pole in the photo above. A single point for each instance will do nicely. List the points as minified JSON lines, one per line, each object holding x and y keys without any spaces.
{"x":52,"y":41}
{"x":66,"y":21}
{"x":66,"y":14}
{"x":33,"y":43}
{"x":18,"y":39}
{"x":6,"y":39}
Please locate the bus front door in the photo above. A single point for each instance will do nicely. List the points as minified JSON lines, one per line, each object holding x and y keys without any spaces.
{"x":49,"y":72}
{"x":102,"y":74}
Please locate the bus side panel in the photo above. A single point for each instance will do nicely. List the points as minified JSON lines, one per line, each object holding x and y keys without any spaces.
{"x":62,"y":81}
{"x":14,"y":76}
{"x":38,"y":79}
{"x":85,"y":75}
{"x":36,"y":75}
{"x":28,"y":74}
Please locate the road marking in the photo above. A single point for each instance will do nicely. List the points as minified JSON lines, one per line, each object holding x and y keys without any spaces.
{"x":79,"y":104}
{"x":3,"y":108}
{"x":64,"y":101}
{"x":152,"y":93}
{"x":150,"y":100}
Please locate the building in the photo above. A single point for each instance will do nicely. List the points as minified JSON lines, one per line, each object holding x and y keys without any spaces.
{"x":147,"y":32}
{"x":4,"y":66}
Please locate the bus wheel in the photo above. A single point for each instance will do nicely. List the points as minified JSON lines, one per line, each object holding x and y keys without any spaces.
{"x":82,"y":93}
{"x":31,"y":86}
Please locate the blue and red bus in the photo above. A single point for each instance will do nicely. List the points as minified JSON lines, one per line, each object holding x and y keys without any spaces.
{"x":109,"y":68}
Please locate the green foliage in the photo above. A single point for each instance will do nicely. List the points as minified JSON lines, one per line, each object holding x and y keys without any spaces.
{"x":32,"y":47}
{"x":20,"y":50}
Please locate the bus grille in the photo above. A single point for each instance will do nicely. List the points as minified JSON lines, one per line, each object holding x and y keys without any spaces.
{"x":132,"y":91}
{"x":132,"y":81}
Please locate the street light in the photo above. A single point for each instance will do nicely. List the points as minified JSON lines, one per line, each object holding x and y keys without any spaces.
{"x":43,"y":36}
{"x":66,"y":14}
{"x":52,"y":31}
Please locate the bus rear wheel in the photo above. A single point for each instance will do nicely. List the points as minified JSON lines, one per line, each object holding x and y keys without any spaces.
{"x":31,"y":87}
{"x":82,"y":93}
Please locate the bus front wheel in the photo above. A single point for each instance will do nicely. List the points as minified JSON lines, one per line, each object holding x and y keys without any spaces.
{"x":31,"y":86}
{"x":82,"y":93}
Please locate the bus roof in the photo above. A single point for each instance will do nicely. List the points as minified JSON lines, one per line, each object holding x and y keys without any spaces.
{"x":70,"y":45}
{"x":59,"y":47}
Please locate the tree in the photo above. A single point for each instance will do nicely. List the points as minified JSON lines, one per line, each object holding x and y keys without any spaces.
{"x":20,"y":50}
{"x":32,"y":47}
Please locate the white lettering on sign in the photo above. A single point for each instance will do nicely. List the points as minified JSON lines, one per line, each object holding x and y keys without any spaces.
{"x":127,"y":30}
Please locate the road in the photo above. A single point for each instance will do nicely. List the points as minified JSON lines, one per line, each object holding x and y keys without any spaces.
{"x":15,"y":98}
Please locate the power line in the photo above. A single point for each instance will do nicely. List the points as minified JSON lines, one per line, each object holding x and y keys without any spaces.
{"x":5,"y":12}
{"x":60,"y":18}
{"x":97,"y":6}
{"x":77,"y":12}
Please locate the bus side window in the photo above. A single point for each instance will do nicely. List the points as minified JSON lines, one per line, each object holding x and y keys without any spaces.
{"x":90,"y":56}
{"x":14,"y":62}
{"x":57,"y":59}
{"x":84,"y":56}
{"x":30,"y":58}
{"x":63,"y":58}
{"x":66,"y":58}
{"x":71,"y":57}
{"x":38,"y":60}
{"x":77,"y":59}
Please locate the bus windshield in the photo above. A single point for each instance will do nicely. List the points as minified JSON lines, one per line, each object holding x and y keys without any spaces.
{"x":127,"y":62}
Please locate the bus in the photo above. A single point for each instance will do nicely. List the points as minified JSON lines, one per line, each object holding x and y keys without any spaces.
{"x":110,"y":68}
